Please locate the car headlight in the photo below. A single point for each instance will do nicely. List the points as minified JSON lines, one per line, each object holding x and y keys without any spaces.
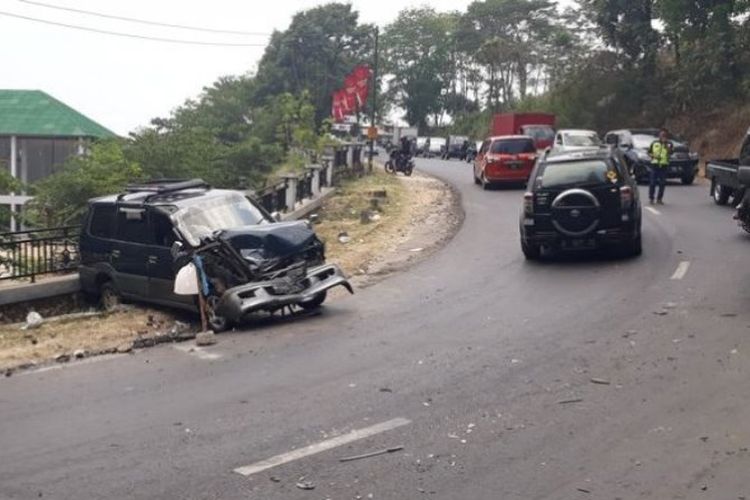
{"x":694,"y":156}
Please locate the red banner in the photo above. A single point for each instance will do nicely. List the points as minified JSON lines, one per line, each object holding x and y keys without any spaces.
{"x":353,"y":97}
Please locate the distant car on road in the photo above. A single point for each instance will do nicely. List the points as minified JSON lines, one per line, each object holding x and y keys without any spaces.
{"x":635,"y":144}
{"x":456,"y":147}
{"x":575,"y":140}
{"x":581,"y":200}
{"x":436,"y":147}
{"x":504,"y":159}
{"x":724,"y":175}
{"x":421,"y":146}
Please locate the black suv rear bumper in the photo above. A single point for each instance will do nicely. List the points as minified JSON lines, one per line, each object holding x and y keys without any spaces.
{"x":606,"y":237}
{"x":252,"y":297}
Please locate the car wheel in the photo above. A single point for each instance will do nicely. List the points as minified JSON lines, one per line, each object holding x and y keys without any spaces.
{"x":486,"y":185}
{"x":688,"y":179}
{"x":635,"y":248}
{"x":216,"y":322}
{"x":109,"y":296}
{"x":719,"y":193}
{"x":315,"y":302}
{"x":530,"y":251}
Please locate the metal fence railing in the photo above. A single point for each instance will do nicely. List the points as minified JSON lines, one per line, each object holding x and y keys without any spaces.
{"x":273,"y":197}
{"x":28,"y":254}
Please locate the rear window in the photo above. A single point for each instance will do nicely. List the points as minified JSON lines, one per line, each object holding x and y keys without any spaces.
{"x":539,"y":132}
{"x":579,"y":172}
{"x":581,"y":140}
{"x":102,"y":221}
{"x":513,"y":147}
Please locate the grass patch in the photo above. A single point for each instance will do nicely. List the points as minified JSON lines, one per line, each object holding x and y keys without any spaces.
{"x":341,"y":214}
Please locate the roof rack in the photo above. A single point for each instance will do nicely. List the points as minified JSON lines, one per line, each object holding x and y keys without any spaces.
{"x":163,"y":186}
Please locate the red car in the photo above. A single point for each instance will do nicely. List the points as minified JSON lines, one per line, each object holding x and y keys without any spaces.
{"x":505,"y":159}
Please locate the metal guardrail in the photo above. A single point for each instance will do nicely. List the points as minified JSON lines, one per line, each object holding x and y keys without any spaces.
{"x":28,"y":254}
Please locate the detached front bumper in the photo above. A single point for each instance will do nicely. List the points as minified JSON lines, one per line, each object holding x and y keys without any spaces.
{"x":242,"y":300}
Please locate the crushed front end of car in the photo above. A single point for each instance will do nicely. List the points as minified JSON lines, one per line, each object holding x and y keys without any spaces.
{"x":265,"y":268}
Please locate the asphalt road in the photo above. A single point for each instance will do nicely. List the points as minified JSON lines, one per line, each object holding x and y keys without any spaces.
{"x":467,"y":360}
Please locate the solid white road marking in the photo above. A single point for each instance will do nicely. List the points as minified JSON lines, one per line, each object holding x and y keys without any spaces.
{"x":329,"y":444}
{"x":653,"y":210}
{"x":681,"y":271}
{"x":197,"y":352}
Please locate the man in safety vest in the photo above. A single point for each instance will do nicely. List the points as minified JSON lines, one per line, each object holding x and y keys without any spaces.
{"x":660,"y":152}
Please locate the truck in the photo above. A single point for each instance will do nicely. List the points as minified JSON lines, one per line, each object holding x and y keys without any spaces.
{"x":724,"y":175}
{"x":538,"y":126}
{"x":399,"y":132}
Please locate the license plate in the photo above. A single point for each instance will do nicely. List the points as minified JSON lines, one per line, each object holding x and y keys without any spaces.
{"x":579,"y":244}
{"x":514,"y":165}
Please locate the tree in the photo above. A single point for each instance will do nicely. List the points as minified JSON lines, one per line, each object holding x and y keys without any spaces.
{"x":62,"y":198}
{"x":417,"y":48}
{"x":320,"y":47}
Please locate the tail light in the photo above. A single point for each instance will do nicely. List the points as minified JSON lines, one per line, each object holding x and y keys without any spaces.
{"x":626,"y":197}
{"x":528,"y":204}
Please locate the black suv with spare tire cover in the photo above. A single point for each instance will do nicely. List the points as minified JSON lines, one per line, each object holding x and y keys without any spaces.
{"x":579,"y":201}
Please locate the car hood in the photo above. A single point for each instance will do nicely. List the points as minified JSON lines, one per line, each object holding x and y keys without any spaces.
{"x":279,"y":240}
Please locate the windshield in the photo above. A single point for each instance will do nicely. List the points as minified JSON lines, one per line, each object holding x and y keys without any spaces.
{"x":512,"y":147}
{"x":216,"y":213}
{"x":583,"y":140}
{"x":579,"y":172}
{"x":539,"y":132}
{"x":641,"y":141}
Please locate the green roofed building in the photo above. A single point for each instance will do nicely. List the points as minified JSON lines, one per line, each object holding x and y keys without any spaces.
{"x":38,"y":133}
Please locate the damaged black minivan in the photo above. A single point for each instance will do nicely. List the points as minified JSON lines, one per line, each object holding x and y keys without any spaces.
{"x":133,"y":244}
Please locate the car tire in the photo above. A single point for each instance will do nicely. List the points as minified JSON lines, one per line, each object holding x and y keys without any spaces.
{"x":720,"y":193}
{"x":635,"y":247}
{"x":687,"y":180}
{"x":216,"y":323}
{"x":486,"y":185}
{"x":109,"y":296}
{"x":530,"y":251}
{"x":315,"y":302}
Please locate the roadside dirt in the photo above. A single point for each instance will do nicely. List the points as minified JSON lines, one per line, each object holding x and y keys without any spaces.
{"x":418,"y":215}
{"x":414,"y":217}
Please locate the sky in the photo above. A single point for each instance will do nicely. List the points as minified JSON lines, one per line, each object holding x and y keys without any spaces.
{"x":123,"y":82}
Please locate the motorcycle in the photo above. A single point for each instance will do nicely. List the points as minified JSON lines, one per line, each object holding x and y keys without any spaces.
{"x":400,"y":162}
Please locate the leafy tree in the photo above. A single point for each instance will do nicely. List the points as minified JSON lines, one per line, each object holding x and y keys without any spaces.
{"x":61,"y":199}
{"x":320,"y":47}
{"x":417,"y":50}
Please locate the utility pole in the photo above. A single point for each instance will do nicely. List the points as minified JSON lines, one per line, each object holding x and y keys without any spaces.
{"x":373,"y":111}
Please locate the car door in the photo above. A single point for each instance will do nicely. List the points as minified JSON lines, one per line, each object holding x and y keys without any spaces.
{"x":161,"y":271}
{"x":130,"y":250}
{"x":481,"y":156}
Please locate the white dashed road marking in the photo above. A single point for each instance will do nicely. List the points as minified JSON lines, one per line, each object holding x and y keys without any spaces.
{"x":329,"y":444}
{"x":653,"y":210}
{"x":197,"y":352}
{"x":681,"y":271}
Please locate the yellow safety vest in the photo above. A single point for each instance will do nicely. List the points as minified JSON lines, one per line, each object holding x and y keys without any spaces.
{"x":660,"y":154}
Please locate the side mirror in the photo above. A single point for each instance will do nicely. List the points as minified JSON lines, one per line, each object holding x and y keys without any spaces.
{"x":743,"y":175}
{"x":176,"y":249}
{"x":276,"y":216}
